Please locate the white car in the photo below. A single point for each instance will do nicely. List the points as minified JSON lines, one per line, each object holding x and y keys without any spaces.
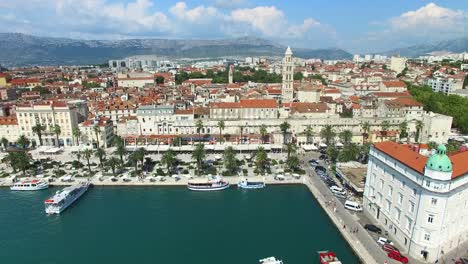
{"x":337,"y":191}
{"x":382,"y":241}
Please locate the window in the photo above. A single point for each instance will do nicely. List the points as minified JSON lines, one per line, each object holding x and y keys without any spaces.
{"x":409,"y":222}
{"x":434,"y":201}
{"x":381,"y":184}
{"x":397,"y":214}
{"x":411,"y":207}
{"x":428,"y":184}
{"x":414,"y":191}
{"x":390,"y":191}
{"x":388,"y":205}
{"x":400,"y":198}
{"x":427,"y":237}
{"x":430,"y":218}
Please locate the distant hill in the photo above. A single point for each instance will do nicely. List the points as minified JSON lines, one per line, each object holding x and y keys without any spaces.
{"x":455,"y":46}
{"x":20,"y":49}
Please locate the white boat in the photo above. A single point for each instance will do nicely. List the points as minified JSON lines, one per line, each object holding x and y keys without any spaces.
{"x":65,"y":197}
{"x":214,"y":184}
{"x":33,"y":185}
{"x":270,"y":260}
{"x":246,"y":184}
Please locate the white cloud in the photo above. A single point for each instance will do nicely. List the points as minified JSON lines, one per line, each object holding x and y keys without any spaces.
{"x":430,"y":23}
{"x":268,"y":20}
{"x":196,"y":15}
{"x":230,"y":3}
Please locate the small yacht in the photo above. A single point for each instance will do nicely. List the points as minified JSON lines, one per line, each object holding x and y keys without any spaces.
{"x":65,"y":197}
{"x":33,"y":185}
{"x":270,"y":260}
{"x":328,"y":257}
{"x":213,"y":184}
{"x":246,"y":184}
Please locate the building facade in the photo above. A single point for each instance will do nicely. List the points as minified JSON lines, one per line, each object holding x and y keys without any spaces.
{"x":421,"y":201}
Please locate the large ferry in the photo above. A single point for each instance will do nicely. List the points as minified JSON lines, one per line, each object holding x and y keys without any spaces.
{"x":65,"y":197}
{"x":214,"y":184}
{"x":33,"y":185}
{"x":270,"y":260}
{"x":246,"y":184}
{"x":328,"y":257}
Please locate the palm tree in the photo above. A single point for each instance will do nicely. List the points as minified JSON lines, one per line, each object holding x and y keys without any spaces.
{"x":263,"y":132}
{"x":198,"y":155}
{"x":309,"y":132}
{"x":78,"y":155}
{"x":199,"y":125}
{"x":169,"y":159}
{"x":384,"y":128}
{"x":261,"y":160}
{"x":22,"y":161}
{"x":419,"y":127}
{"x":403,"y":129}
{"x":77,"y":134}
{"x":221,"y":127}
{"x":97,"y":132}
{"x":133,"y":158}
{"x":241,"y":128}
{"x":57,"y":131}
{"x":365,"y":131}
{"x":87,"y":153}
{"x":113,"y":162}
{"x":23,"y":141}
{"x":100,"y":154}
{"x":4,"y":143}
{"x":230,"y":161}
{"x":140,"y":155}
{"x":37,"y":129}
{"x":293,"y":162}
{"x":346,"y":137}
{"x":121,"y":152}
{"x":12,"y":159}
{"x":284,"y":127}
{"x":328,"y":134}
{"x":290,"y":149}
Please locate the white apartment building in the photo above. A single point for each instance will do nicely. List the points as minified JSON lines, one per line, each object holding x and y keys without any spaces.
{"x":436,"y":128}
{"x":105,"y":132}
{"x":9,"y":128}
{"x":164,"y":120}
{"x":445,"y":85}
{"x":397,"y":64}
{"x":133,"y":79}
{"x":49,"y":114}
{"x":422,"y":202}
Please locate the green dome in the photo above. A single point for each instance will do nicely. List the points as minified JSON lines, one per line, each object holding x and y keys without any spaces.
{"x":439,"y":161}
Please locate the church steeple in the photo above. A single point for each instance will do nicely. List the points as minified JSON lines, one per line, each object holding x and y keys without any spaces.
{"x":287,"y":88}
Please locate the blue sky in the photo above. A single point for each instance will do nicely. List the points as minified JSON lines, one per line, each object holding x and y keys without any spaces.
{"x":354,"y":25}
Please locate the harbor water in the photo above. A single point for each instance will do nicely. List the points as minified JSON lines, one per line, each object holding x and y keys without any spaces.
{"x":169,"y":225}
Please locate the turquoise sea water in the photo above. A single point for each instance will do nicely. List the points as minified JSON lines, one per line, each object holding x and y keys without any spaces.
{"x":169,"y":225}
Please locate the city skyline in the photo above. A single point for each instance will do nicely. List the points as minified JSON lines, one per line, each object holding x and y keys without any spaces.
{"x":375,"y":27}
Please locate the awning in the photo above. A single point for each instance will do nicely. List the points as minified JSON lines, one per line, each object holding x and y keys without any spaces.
{"x":323,"y":145}
{"x":309,"y":147}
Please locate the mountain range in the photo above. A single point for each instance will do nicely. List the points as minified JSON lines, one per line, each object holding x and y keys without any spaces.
{"x":454,"y":46}
{"x":21,"y":49}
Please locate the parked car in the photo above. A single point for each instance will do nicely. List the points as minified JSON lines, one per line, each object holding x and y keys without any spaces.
{"x":389,"y":248}
{"x":462,"y":261}
{"x":373,"y":228}
{"x":398,"y":257}
{"x":323,"y":157}
{"x":313,"y":162}
{"x":383,"y":240}
{"x":320,"y":168}
{"x":353,"y":206}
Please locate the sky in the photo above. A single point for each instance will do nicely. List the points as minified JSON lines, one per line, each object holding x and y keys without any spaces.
{"x":358,"y":26}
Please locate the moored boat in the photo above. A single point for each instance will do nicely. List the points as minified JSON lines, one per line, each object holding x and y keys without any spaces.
{"x":33,"y":185}
{"x":65,"y":197}
{"x":214,"y":184}
{"x":328,"y":257}
{"x":270,"y":260}
{"x":246,"y":184}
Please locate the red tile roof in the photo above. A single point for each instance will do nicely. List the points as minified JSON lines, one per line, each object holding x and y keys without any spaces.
{"x":8,"y":120}
{"x":394,"y":84}
{"x":259,"y":103}
{"x":417,"y":162}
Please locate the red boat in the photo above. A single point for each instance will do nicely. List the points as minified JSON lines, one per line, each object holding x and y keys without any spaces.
{"x":328,"y":257}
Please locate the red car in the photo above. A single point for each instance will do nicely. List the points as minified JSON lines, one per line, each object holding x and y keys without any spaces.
{"x":390,"y":248}
{"x":398,"y":257}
